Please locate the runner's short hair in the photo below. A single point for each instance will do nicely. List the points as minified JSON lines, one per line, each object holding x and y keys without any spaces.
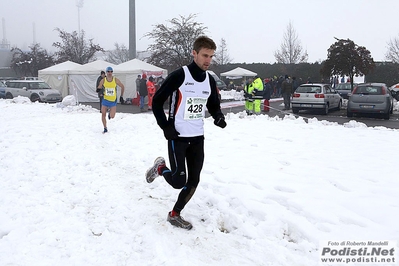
{"x":204,"y":42}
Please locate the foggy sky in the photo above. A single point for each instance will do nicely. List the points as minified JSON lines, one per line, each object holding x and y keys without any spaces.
{"x":253,"y":29}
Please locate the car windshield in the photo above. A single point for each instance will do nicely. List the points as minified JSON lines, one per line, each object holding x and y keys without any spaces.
{"x":373,"y":90}
{"x":39,"y":85}
{"x":308,"y":89}
{"x":344,"y":86}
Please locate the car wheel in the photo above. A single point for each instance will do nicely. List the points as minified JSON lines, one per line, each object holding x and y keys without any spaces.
{"x":339,"y":105}
{"x":349,"y":114}
{"x":9,"y":95}
{"x":387,"y":115}
{"x":295,"y":110}
{"x":325,"y":111}
{"x":34,"y":98}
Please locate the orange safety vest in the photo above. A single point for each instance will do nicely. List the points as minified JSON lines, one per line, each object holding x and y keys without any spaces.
{"x":150,"y":87}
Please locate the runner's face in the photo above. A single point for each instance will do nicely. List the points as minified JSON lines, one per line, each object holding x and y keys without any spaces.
{"x":203,"y":58}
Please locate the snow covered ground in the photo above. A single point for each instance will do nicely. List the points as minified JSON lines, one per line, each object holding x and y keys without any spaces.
{"x":271,"y":189}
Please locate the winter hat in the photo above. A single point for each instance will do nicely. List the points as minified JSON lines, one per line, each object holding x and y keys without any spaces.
{"x":144,"y":76}
{"x":109,"y":69}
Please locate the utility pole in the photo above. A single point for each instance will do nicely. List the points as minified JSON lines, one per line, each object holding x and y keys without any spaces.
{"x":132,"y":29}
{"x":34,"y":33}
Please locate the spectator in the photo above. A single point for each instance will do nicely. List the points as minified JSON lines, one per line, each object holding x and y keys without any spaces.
{"x":143,"y":91}
{"x":159,"y":82}
{"x":257,"y":93}
{"x":100,"y":91}
{"x":295,"y":84}
{"x":138,"y":83}
{"x":278,"y":86}
{"x":267,"y":91}
{"x":249,"y":102}
{"x":151,"y":91}
{"x":286,"y":89}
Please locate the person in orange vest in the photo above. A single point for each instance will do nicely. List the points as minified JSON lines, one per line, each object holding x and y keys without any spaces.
{"x":151,"y":91}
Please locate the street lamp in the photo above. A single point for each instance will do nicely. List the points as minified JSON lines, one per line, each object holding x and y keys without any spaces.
{"x":79,"y":4}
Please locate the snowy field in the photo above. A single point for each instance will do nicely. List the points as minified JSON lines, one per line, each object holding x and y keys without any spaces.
{"x":271,"y":189}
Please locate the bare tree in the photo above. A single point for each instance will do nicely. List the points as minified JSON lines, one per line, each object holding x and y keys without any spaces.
{"x":393,"y":50}
{"x":74,"y":47}
{"x":173,"y":45}
{"x":291,"y":51}
{"x":119,"y":55}
{"x":221,"y":56}
{"x":29,"y":63}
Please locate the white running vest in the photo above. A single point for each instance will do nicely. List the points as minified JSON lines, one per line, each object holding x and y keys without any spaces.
{"x":191,"y":108}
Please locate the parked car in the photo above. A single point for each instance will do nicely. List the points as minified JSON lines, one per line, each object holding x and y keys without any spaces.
{"x":344,"y":88}
{"x":370,"y":98}
{"x":2,"y":90}
{"x":219,"y":83}
{"x":315,"y":96}
{"x":35,"y":90}
{"x":395,"y":91}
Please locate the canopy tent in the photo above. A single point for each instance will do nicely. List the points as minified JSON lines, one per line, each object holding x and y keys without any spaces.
{"x":100,"y":65}
{"x":128,"y":71}
{"x":82,"y":83}
{"x":238,"y":73}
{"x":57,"y":76}
{"x":80,"y":80}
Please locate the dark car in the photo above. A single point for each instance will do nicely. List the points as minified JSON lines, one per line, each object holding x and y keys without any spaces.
{"x":344,"y":88}
{"x":370,"y":98}
{"x":2,"y":90}
{"x":219,"y":83}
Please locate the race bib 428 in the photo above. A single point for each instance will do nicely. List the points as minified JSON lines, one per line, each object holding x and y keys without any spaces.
{"x":195,"y":108}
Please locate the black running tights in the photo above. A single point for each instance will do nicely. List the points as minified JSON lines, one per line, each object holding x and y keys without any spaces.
{"x":182,"y":151}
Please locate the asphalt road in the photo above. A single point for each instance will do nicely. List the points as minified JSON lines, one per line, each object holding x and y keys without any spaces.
{"x":276,"y":108}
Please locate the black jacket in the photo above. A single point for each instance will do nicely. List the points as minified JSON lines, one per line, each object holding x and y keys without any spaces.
{"x":267,"y":91}
{"x":143,"y":87}
{"x":98,"y":82}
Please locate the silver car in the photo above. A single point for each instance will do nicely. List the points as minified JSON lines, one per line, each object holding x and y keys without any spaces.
{"x":35,"y":90}
{"x":315,"y":96}
{"x":370,"y":98}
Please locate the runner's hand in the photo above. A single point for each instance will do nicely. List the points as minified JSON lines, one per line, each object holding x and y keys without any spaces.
{"x":220,"y":122}
{"x":170,"y":132}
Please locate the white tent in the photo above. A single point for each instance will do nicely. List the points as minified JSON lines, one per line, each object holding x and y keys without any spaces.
{"x":80,"y":80}
{"x":128,"y":71}
{"x":82,"y":83}
{"x":100,"y":65}
{"x":72,"y":79}
{"x":238,"y":73}
{"x":57,"y":76}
